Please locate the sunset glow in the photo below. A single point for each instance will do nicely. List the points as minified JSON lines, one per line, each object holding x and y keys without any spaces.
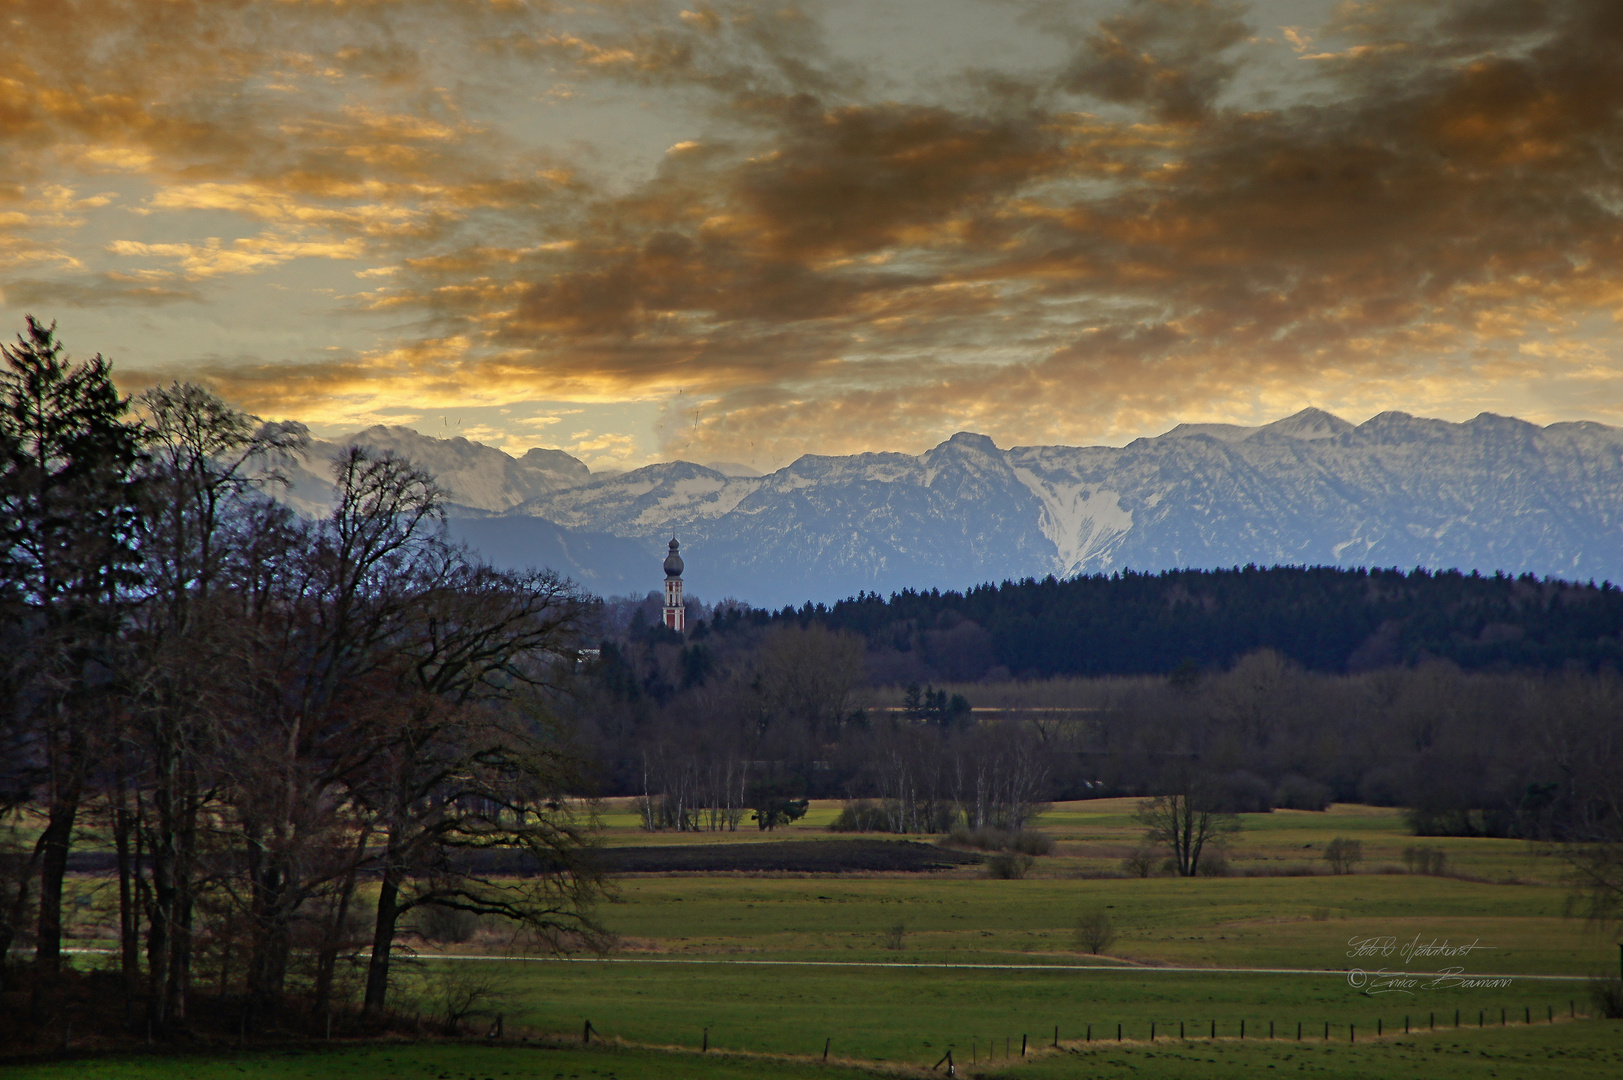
{"x":743,"y":232}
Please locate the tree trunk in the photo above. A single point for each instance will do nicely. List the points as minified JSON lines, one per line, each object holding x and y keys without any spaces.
{"x":52,"y":848}
{"x":160,"y":916}
{"x":377,"y":969}
{"x":129,"y":921}
{"x":185,"y":866}
{"x":328,"y":961}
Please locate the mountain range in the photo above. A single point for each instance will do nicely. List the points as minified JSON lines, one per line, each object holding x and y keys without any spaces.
{"x":1491,"y":494}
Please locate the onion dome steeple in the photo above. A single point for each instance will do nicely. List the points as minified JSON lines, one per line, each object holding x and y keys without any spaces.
{"x":675,"y":616}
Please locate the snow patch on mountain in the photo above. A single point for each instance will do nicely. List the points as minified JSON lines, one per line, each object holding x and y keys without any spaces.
{"x":1083,"y":522}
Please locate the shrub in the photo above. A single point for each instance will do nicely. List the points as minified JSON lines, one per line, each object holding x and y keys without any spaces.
{"x":446,"y":925}
{"x":1009,"y":865}
{"x":1299,"y":793}
{"x":1032,"y":842}
{"x":1608,"y":997}
{"x":1140,"y":862}
{"x":990,"y":838}
{"x":1213,"y":864}
{"x":1094,"y":931}
{"x":860,"y":816}
{"x":1242,"y":792}
{"x":865,"y":815}
{"x":1343,"y":854}
{"x":1425,"y":860}
{"x":984,"y":838}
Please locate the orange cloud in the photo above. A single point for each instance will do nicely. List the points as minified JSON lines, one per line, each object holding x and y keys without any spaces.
{"x":813,"y":258}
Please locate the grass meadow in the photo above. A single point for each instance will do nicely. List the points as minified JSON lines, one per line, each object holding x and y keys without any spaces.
{"x":892,"y":970}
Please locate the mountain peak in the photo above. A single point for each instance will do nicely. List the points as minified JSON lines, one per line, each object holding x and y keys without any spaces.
{"x":970,"y":440}
{"x":1310,"y":423}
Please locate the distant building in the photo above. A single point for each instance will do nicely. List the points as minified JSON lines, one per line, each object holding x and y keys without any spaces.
{"x":675,"y":613}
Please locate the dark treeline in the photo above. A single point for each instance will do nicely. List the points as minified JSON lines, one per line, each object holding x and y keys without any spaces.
{"x":288,"y":733}
{"x":1321,"y":618}
{"x":752,"y":706}
{"x":746,"y":718}
{"x":1485,"y":706}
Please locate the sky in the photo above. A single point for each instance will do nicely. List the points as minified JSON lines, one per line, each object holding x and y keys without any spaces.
{"x":744,"y":232}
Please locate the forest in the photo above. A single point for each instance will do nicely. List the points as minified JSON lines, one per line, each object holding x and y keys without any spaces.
{"x":790,"y":706}
{"x":1320,"y":618}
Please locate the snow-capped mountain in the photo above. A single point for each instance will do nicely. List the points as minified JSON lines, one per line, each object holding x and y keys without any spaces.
{"x":478,"y":477}
{"x":1490,"y":494}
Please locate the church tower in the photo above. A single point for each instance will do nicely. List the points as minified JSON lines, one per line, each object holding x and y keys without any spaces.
{"x":675,"y":613}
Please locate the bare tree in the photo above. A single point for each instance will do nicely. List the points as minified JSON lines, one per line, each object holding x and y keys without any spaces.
{"x":198,"y":486}
{"x":808,"y":675}
{"x":1186,"y":820}
{"x":1343,"y":854}
{"x":1095,"y":932}
{"x":461,"y":773}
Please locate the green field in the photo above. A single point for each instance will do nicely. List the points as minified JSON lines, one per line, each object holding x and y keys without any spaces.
{"x":1592,"y":1050}
{"x":778,"y":964}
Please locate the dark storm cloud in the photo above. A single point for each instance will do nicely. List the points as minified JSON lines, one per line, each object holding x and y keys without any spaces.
{"x":1169,"y":55}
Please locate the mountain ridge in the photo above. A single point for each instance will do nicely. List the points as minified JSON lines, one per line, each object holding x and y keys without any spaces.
{"x":1492,"y":493}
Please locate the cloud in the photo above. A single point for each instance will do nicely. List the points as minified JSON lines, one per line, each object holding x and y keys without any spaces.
{"x":107,"y":290}
{"x":1168,"y":55}
{"x":243,"y":256}
{"x":815,"y":255}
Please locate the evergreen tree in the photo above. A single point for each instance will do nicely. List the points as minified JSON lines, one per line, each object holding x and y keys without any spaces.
{"x":69,"y":518}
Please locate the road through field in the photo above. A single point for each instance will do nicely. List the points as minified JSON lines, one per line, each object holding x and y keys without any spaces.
{"x":1139,"y":968}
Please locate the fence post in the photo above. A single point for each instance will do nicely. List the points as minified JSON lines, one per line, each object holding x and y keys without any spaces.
{"x":1152,"y":1031}
{"x":1352,"y":1033}
{"x":1180,"y":1029}
{"x":1056,"y":1036}
{"x":1298,"y":1031}
{"x":1242,"y":1029}
{"x":1118,"y":1033}
{"x":586,"y":1032}
{"x":1270,"y":1029}
{"x":1377,"y":1028}
{"x":704,"y":1047}
{"x":1327,"y":1031}
{"x":1090,"y":1033}
{"x":825,"y":1046}
{"x":1022,"y":1045}
{"x":1214,"y":1029}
